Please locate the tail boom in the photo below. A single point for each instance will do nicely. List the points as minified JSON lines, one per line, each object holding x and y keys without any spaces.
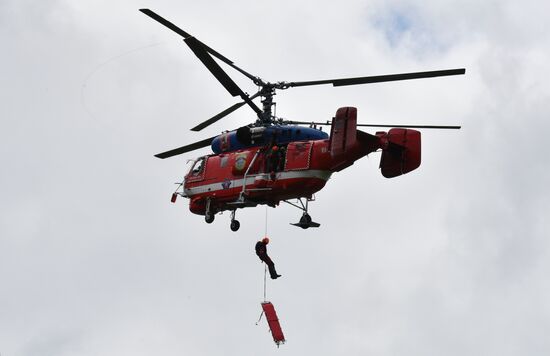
{"x":400,"y":146}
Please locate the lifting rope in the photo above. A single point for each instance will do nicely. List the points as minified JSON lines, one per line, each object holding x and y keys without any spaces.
{"x":265,"y":265}
{"x":265,"y":269}
{"x":265,"y":281}
{"x":268,"y":309}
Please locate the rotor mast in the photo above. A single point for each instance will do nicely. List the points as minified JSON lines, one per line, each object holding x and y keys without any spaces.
{"x":267,"y":92}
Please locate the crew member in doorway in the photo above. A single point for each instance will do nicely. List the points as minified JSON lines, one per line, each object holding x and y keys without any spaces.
{"x":261,"y":251}
{"x":274,"y":160}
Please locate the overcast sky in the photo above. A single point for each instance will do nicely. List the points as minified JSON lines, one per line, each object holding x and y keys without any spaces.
{"x":451,"y":259}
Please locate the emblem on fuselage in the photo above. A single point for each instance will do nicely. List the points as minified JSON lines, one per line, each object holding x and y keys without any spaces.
{"x":240,"y":162}
{"x":226,"y":183}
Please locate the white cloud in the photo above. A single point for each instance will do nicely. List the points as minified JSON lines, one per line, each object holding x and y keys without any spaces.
{"x":450,"y":259}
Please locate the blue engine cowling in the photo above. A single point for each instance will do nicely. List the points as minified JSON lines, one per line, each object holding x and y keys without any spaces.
{"x":246,"y":136}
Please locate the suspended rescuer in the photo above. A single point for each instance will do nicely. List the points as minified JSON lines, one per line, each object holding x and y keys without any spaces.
{"x":261,"y":251}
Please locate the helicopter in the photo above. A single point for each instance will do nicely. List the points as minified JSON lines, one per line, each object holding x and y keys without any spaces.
{"x":273,"y":160}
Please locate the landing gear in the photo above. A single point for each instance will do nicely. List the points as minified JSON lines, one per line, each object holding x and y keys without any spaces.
{"x":209,"y":218}
{"x":235,"y":224}
{"x":209,"y":214}
{"x":305,"y":221}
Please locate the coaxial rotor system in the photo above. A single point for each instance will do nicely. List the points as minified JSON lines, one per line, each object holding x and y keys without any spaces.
{"x":267,"y":90}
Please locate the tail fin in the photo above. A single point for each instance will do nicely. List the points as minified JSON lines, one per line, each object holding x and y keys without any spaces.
{"x":343,"y":138}
{"x":400,"y":147}
{"x":400,"y":152}
{"x":343,"y":132}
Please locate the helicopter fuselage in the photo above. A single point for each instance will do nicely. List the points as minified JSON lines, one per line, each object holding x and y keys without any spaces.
{"x":259,"y":175}
{"x":278,"y":171}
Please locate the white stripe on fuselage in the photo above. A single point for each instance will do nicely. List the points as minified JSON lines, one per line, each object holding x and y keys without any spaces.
{"x":251,"y":179}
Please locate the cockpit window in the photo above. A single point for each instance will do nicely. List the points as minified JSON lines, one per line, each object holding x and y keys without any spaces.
{"x":198,"y":166}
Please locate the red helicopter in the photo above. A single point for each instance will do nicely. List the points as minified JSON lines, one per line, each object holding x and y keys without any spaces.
{"x":274,"y":160}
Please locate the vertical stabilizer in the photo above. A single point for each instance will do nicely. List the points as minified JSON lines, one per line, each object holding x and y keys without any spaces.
{"x":343,"y":132}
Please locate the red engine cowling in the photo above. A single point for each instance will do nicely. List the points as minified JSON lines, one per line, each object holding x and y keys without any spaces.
{"x":400,"y":151}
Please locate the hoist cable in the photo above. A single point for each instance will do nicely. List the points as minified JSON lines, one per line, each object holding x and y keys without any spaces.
{"x":265,"y":265}
{"x":265,"y":283}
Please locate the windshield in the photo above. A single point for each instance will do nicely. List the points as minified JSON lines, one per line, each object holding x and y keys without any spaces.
{"x":197,"y":167}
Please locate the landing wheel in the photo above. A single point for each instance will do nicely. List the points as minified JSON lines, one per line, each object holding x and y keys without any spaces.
{"x":305,"y":219}
{"x":209,"y":218}
{"x":235,"y":225}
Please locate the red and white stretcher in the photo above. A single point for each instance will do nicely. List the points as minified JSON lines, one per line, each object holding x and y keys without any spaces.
{"x":273,"y":322}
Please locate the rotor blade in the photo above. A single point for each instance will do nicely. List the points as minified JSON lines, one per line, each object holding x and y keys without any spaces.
{"x":224,"y":113}
{"x":328,"y":123}
{"x":186,"y":35}
{"x":181,"y":32}
{"x":187,"y":148}
{"x":228,"y":61}
{"x":380,"y":78}
{"x":165,"y":22}
{"x":213,"y":67}
{"x":415,"y":126}
{"x":215,"y":118}
{"x":219,"y":73}
{"x":290,"y":122}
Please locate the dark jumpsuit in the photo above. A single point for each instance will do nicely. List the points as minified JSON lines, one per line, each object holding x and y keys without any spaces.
{"x":261,"y":251}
